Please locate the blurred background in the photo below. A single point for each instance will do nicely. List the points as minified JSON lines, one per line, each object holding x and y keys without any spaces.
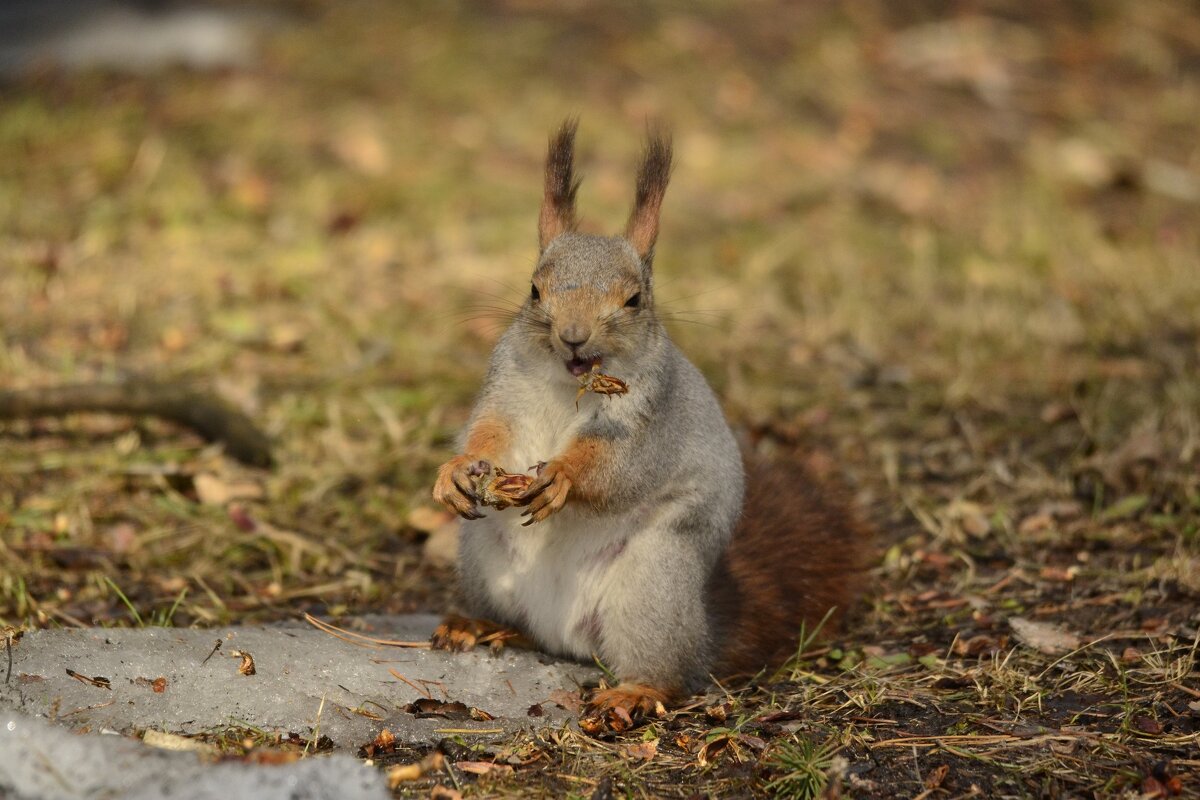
{"x":949,"y":249}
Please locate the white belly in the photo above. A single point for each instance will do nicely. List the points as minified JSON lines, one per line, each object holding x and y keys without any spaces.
{"x":551,"y":578}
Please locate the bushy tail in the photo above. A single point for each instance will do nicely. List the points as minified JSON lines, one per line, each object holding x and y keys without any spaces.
{"x":798,"y":557}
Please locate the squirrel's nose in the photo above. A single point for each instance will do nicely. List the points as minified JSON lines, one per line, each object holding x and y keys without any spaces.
{"x":575,"y":335}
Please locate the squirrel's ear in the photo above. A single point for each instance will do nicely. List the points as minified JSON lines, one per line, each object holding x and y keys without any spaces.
{"x":558,"y":202}
{"x":652,"y":178}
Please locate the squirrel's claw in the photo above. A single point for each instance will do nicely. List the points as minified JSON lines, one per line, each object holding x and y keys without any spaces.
{"x":547,"y":495}
{"x":460,"y":634}
{"x":453,"y":488}
{"x":621,"y":708}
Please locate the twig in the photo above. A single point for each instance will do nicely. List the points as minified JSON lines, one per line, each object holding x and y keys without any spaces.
{"x":11,"y":637}
{"x":86,"y":708}
{"x":358,"y":638}
{"x":212,"y":418}
{"x":314,"y":741}
{"x":421,"y":689}
{"x":212,"y":653}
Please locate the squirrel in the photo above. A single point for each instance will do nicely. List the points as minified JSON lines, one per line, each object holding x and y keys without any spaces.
{"x":639,"y":541}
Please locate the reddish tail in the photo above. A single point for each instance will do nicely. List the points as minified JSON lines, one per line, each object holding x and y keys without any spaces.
{"x":799,"y":554}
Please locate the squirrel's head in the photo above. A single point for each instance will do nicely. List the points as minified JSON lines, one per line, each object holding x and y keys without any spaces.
{"x":591,"y":296}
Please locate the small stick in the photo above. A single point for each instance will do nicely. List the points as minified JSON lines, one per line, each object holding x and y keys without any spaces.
{"x":358,"y":638}
{"x":11,"y":635}
{"x":216,"y":647}
{"x":212,"y":418}
{"x":420,"y":689}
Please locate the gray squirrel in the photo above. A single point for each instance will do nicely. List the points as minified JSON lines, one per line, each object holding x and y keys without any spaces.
{"x":639,"y":540}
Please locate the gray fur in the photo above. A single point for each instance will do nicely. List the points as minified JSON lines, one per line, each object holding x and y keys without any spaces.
{"x":674,"y":481}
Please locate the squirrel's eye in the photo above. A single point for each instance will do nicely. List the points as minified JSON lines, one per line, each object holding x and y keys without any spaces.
{"x":534,"y":294}
{"x":634,"y":301}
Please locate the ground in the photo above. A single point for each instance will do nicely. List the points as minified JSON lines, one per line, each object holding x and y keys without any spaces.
{"x":947,"y":250}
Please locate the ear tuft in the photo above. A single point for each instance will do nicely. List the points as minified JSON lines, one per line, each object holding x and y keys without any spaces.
{"x":558,"y":200}
{"x":653,"y":175}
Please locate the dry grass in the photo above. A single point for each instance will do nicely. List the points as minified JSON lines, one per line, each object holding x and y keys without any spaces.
{"x":956,"y":255}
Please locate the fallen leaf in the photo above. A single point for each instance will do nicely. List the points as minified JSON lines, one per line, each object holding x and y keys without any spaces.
{"x":286,"y":337}
{"x":571,"y":701}
{"x":1148,"y":725}
{"x":718,"y":713}
{"x":440,"y":792}
{"x":936,"y":775}
{"x":212,"y":490}
{"x":157,"y":685}
{"x":410,"y":772}
{"x":483,"y":767}
{"x":247,"y":665}
{"x":425,"y":707}
{"x":171,"y":741}
{"x":642,"y":751}
{"x":241,"y":518}
{"x":272,"y":758}
{"x":686,"y":743}
{"x":1059,"y":574}
{"x":1043,"y":637}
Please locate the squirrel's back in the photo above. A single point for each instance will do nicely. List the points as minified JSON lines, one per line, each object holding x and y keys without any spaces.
{"x":797,"y":559}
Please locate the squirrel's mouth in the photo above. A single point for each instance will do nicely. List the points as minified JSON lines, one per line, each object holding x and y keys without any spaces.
{"x":580,"y":365}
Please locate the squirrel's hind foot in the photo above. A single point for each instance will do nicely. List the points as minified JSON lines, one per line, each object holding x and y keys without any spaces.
{"x":460,"y":634}
{"x":621,"y":708}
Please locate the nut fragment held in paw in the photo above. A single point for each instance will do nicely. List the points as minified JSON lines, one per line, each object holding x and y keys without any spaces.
{"x":499,"y":489}
{"x":599,"y":383}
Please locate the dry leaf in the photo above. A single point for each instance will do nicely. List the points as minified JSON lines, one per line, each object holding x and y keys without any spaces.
{"x":718,"y":713}
{"x":571,"y":701}
{"x":272,"y":758}
{"x":286,"y":337}
{"x":424,"y":707}
{"x":247,"y":665}
{"x":440,"y":792}
{"x":157,"y":685}
{"x":936,"y":775}
{"x":643,"y":751}
{"x":1043,"y":637}
{"x":214,"y":491}
{"x":1148,"y":725}
{"x":483,"y":767}
{"x":171,"y":741}
{"x":981,"y":644}
{"x":411,"y":772}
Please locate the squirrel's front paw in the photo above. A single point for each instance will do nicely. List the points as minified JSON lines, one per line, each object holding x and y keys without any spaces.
{"x":548,"y":492}
{"x":453,"y":488}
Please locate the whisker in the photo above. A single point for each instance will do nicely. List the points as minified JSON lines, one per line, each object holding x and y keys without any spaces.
{"x":692,"y":296}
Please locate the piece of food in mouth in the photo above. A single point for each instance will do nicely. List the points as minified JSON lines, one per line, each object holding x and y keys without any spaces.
{"x":597,"y":382}
{"x":496,"y":488}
